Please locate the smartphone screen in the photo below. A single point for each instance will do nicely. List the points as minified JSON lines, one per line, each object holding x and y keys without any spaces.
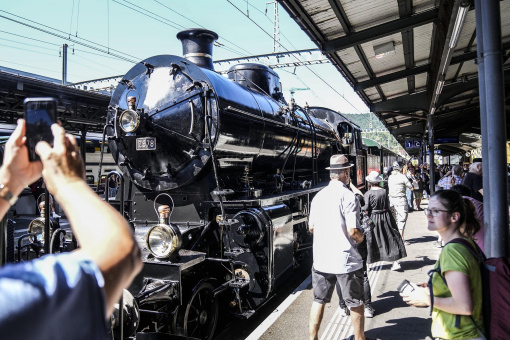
{"x":40,"y":114}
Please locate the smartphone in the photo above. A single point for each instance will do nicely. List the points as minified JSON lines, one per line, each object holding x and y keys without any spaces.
{"x":405,"y":288}
{"x":40,"y":114}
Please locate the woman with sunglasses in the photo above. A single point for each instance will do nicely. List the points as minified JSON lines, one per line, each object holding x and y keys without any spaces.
{"x":457,"y":300}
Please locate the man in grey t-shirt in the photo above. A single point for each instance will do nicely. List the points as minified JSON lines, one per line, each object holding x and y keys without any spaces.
{"x":397,"y":184}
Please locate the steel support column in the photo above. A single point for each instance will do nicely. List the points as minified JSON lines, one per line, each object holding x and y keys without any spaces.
{"x":432,"y":165}
{"x":483,"y":124}
{"x":496,"y":124}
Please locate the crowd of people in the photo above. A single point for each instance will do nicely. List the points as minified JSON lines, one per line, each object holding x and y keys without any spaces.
{"x":344,"y":243}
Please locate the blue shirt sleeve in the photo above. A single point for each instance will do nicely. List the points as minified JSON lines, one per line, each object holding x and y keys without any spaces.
{"x":54,"y":297}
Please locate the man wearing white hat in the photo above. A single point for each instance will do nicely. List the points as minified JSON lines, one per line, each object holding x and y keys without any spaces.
{"x":334,"y":221}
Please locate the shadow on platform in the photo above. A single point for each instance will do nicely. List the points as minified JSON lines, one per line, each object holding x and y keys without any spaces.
{"x":410,"y":328}
{"x":422,"y":239}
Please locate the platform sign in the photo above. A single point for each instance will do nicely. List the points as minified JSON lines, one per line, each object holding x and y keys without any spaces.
{"x":436,"y":152}
{"x":413,"y":144}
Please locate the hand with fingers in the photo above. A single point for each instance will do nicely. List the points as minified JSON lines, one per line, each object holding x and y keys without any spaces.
{"x":419,"y":297}
{"x":17,"y":171}
{"x":62,"y":163}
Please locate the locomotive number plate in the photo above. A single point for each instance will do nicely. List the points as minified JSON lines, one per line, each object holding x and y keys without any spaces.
{"x":147,"y":143}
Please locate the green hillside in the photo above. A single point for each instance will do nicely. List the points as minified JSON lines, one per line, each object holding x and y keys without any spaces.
{"x":371,"y":127}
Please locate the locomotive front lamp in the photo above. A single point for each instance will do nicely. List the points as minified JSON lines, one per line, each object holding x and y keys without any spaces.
{"x":163,"y":240}
{"x":129,"y":120}
{"x":36,"y":227}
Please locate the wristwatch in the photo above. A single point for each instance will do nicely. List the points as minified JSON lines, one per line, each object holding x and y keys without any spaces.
{"x":7,"y":195}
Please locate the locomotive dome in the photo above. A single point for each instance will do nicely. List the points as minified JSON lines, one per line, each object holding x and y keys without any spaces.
{"x":256,"y":76}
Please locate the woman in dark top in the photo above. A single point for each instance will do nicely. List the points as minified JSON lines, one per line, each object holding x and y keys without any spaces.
{"x":383,"y":242}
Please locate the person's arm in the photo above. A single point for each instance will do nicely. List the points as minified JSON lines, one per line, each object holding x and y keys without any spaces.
{"x":408,"y":183}
{"x":352,"y":219}
{"x":17,"y":171}
{"x":442,"y":181}
{"x":311,"y":218}
{"x":103,"y":234}
{"x":367,"y":207}
{"x":460,"y":303}
{"x":356,"y":234}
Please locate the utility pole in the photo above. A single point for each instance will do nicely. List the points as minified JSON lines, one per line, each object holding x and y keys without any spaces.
{"x":276,"y":27}
{"x":64,"y":64}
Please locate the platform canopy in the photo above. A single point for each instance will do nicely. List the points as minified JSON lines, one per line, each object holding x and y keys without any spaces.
{"x":77,"y":109}
{"x":407,"y":59}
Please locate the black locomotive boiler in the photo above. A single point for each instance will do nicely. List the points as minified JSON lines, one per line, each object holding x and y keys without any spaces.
{"x":234,"y":167}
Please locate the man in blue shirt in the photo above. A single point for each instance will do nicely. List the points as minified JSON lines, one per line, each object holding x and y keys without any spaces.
{"x":72,"y":295}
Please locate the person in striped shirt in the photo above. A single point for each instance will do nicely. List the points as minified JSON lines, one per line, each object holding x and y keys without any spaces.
{"x":449,"y":180}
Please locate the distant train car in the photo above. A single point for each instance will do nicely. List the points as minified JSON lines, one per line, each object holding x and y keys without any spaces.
{"x":351,"y":141}
{"x":379,"y":157}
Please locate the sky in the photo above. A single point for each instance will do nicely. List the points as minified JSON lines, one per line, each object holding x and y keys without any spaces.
{"x":107,"y":37}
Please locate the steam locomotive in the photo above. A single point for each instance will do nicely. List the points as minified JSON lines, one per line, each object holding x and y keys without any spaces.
{"x":233,"y":168}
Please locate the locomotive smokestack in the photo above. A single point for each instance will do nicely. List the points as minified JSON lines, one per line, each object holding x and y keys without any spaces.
{"x":197,"y":46}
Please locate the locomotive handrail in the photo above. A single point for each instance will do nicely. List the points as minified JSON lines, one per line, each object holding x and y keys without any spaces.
{"x":192,"y":110}
{"x":56,"y":234}
{"x":208,"y":120}
{"x":31,"y":244}
{"x":101,"y":156}
{"x":121,"y":210}
{"x":315,"y":177}
{"x":120,"y":187}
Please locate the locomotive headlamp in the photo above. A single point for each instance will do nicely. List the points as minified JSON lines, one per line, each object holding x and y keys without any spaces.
{"x":129,"y":120}
{"x":163,"y":240}
{"x":36,"y":227}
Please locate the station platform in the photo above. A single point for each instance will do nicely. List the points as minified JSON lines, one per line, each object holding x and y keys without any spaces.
{"x":393,"y":318}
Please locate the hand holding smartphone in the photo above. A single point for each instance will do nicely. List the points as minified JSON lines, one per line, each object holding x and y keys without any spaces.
{"x":405,"y":288}
{"x":40,"y":114}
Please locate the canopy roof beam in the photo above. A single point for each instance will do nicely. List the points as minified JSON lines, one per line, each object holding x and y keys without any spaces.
{"x":380,"y":31}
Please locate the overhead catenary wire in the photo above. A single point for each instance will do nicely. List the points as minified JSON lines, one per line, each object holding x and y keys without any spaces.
{"x":77,"y":18}
{"x":22,"y":36}
{"x":271,"y":21}
{"x":37,"y":68}
{"x":55,"y":44}
{"x":76,"y":40}
{"x":196,"y":23}
{"x":27,"y":44}
{"x":153,"y":15}
{"x":28,"y":50}
{"x":71,"y":23}
{"x":165,"y":21}
{"x":318,"y":76}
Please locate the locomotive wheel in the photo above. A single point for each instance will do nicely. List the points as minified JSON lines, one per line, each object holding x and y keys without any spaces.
{"x":198,"y":319}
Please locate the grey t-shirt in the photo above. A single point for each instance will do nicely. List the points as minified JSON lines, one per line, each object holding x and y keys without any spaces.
{"x":397,"y":184}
